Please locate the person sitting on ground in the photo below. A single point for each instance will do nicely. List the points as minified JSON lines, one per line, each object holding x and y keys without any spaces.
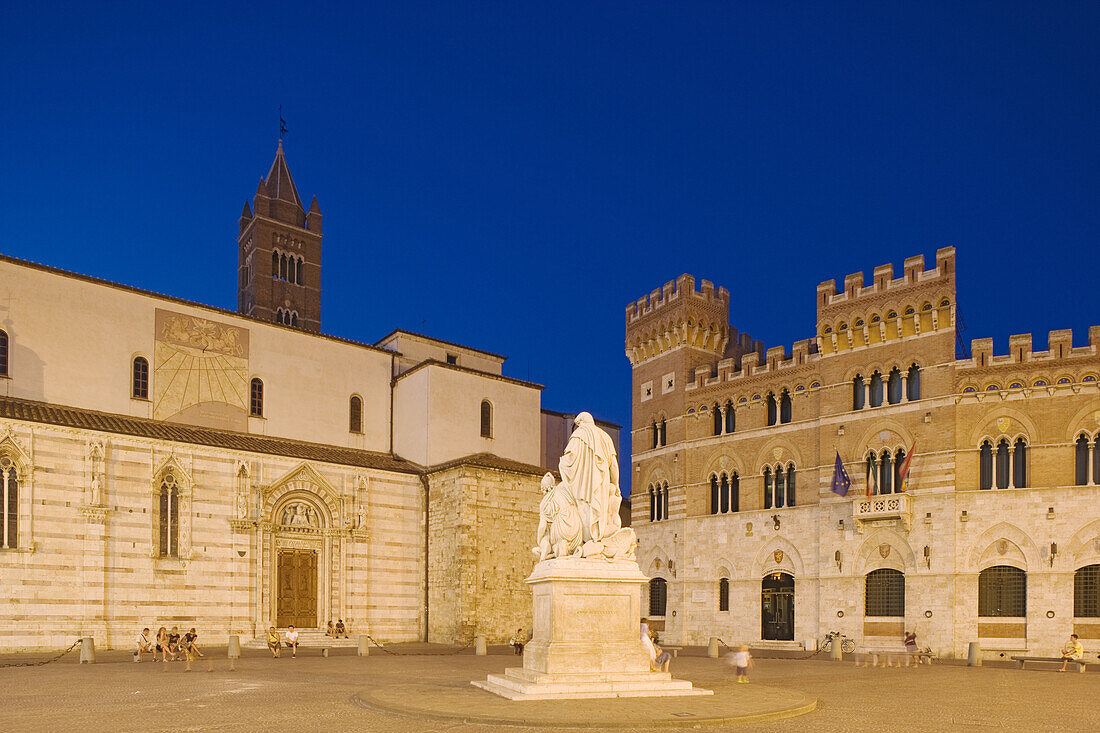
{"x":162,"y":644}
{"x":144,"y":644}
{"x":517,"y":641}
{"x":657,"y":656}
{"x":273,"y":642}
{"x":341,"y":630}
{"x":174,"y":643}
{"x":1072,"y":651}
{"x":292,"y":640}
{"x":741,"y":660}
{"x":331,"y":631}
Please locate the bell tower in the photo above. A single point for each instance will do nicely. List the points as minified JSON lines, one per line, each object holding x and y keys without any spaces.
{"x":279,"y":262}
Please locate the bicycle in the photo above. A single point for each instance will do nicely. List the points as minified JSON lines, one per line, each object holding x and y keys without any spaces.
{"x":848,"y":646}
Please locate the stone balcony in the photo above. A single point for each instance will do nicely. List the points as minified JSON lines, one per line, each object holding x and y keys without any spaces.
{"x":882,"y":511}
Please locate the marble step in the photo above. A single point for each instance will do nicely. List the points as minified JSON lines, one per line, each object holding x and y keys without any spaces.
{"x":520,"y":687}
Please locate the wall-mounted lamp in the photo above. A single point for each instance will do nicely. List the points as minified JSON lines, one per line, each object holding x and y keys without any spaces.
{"x":928,"y":556}
{"x":840,"y":525}
{"x":840,"y":430}
{"x":928,"y":417}
{"x":963,"y":517}
{"x":1053,"y":552}
{"x":1050,"y":512}
{"x":836,"y":556}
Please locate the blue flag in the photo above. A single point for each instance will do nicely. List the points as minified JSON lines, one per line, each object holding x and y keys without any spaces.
{"x":841,"y":481}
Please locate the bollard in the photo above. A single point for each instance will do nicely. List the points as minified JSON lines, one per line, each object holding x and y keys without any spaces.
{"x":479,"y":646}
{"x":87,"y":650}
{"x":974,"y":655}
{"x":364,"y":649}
{"x":234,"y":646}
{"x":835,"y":652}
{"x":712,"y":648}
{"x":324,"y":652}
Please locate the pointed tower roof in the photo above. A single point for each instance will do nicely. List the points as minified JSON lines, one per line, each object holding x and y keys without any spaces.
{"x":314,"y":207}
{"x":279,"y":184}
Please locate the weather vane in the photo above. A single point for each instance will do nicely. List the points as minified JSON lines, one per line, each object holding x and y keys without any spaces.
{"x":282,"y":122}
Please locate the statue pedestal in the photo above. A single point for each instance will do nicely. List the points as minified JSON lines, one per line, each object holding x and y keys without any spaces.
{"x":586,"y":640}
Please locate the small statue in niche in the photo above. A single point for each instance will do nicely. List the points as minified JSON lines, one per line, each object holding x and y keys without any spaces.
{"x":97,"y":488}
{"x":361,"y":517}
{"x":242,"y":505}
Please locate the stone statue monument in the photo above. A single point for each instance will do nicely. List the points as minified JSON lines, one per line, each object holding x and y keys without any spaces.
{"x":586,"y":588}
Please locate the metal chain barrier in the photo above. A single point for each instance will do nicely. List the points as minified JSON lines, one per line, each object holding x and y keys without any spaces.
{"x":75,"y":644}
{"x":420,"y":654}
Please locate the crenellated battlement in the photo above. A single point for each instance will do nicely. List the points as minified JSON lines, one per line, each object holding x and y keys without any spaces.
{"x":674,"y":292}
{"x":1059,"y":348}
{"x":775,"y":360}
{"x":883,"y":281}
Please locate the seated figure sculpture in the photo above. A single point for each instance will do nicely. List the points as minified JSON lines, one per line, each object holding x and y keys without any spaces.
{"x":559,"y":532}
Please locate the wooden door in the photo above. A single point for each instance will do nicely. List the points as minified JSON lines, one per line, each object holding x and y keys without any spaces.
{"x":297,"y":599}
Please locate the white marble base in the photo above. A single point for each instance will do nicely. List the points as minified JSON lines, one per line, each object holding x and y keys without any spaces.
{"x":586,"y":637}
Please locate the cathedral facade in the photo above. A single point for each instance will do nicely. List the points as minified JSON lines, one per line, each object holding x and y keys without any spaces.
{"x":967,"y":508}
{"x":164,"y":462}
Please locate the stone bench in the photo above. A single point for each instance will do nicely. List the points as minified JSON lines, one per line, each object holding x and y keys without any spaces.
{"x":1081,"y":663}
{"x":673,"y":650}
{"x":891,"y":656}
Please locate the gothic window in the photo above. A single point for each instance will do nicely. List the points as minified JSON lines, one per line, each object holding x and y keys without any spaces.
{"x":256,"y":398}
{"x":985,"y":465}
{"x":785,"y":407}
{"x":169,"y":517}
{"x":876,"y":389}
{"x":292,"y":270}
{"x":658,"y":597}
{"x":139,"y":387}
{"x":790,"y":485}
{"x":1086,"y":592}
{"x":3,"y":353}
{"x":664,"y":501}
{"x":780,"y":481}
{"x":912,"y":384}
{"x":772,"y":411}
{"x":283,"y":267}
{"x":301,"y":271}
{"x":274,"y":265}
{"x":725,"y":494}
{"x":717,"y":419}
{"x":1019,"y":463}
{"x":893,"y":389}
{"x":735,"y":493}
{"x":872,"y":474}
{"x":656,"y":435}
{"x":899,"y":458}
{"x":859,"y":393}
{"x":884,"y":593}
{"x":1002,"y":464}
{"x":486,"y":419}
{"x":652,"y":504}
{"x":767,"y":487}
{"x":1002,"y":591}
{"x":724,"y":594}
{"x":886,"y":474}
{"x":731,"y":423}
{"x":714,"y":496}
{"x":294,"y":318}
{"x":9,"y":503}
{"x":664,"y":435}
{"x":1081,"y":460}
{"x":1096,"y":461}
{"x":355,"y":414}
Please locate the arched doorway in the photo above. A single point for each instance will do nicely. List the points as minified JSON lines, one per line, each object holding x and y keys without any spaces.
{"x":777,"y":607}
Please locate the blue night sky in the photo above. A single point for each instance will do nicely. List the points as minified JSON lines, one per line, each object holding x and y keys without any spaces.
{"x":510,"y":175}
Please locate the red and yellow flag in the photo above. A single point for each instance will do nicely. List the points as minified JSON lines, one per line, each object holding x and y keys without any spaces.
{"x":903,"y":472}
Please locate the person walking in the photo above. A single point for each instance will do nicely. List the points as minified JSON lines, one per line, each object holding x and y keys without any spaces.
{"x":273,"y":642}
{"x":1072,"y":651}
{"x":741,"y":660}
{"x":292,"y":640}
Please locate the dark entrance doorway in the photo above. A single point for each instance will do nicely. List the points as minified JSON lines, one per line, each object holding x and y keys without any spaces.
{"x":777,"y":607}
{"x":297,"y":579}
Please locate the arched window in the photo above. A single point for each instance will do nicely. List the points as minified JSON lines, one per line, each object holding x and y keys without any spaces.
{"x":780,"y":482}
{"x":1086,"y":592}
{"x":735,"y":493}
{"x":730,"y":421}
{"x":3,"y":353}
{"x":885,"y":473}
{"x":724,"y":594}
{"x":893,"y":388}
{"x":9,"y":503}
{"x":724,"y":494}
{"x":985,"y":465}
{"x":884,"y":593}
{"x":301,"y":271}
{"x":785,"y":407}
{"x":768,"y":487}
{"x":859,"y":393}
{"x":912,"y":384}
{"x":274,"y":265}
{"x":664,"y":434}
{"x":872,"y":474}
{"x":256,"y":398}
{"x":1081,"y":460}
{"x":294,"y":318}
{"x":714,"y":499}
{"x":876,"y":389}
{"x":1019,"y":463}
{"x":790,"y":485}
{"x":139,"y":383}
{"x":1096,"y":460}
{"x":355,"y":414}
{"x":1002,"y":464}
{"x":717,"y":419}
{"x":772,"y":409}
{"x":652,"y":505}
{"x":284,"y":267}
{"x":486,"y":419}
{"x":1002,"y":591}
{"x":169,"y":517}
{"x":656,"y":435}
{"x":664,"y":501}
{"x":292,"y":270}
{"x":899,"y":458}
{"x":658,"y":597}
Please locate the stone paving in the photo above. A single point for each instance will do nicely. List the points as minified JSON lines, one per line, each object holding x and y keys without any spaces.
{"x":432,"y":693}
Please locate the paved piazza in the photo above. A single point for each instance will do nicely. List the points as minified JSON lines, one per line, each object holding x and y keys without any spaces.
{"x":345,"y":692}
